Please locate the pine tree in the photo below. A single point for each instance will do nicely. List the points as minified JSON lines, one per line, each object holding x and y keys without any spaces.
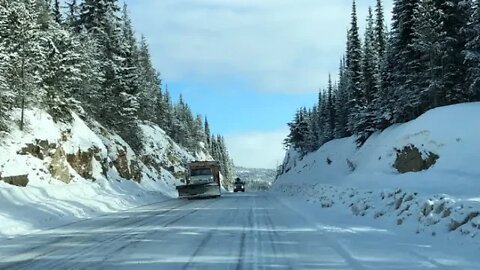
{"x":365,"y":124}
{"x":300,"y":136}
{"x":20,"y":36}
{"x":149,"y":83}
{"x":331,"y":111}
{"x":119,"y":96}
{"x":341,"y":103}
{"x":472,"y":54}
{"x":380,"y":32}
{"x":457,"y":14}
{"x":368,"y":64}
{"x":89,"y":91}
{"x":208,"y":134}
{"x":6,"y":96}
{"x":428,"y":30}
{"x":72,"y":20}
{"x":354,"y":71}
{"x":401,"y":54}
{"x":384,"y":101}
{"x":57,"y":14}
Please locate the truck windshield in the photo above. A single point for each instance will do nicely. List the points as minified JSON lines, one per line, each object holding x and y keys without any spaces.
{"x":197,"y":172}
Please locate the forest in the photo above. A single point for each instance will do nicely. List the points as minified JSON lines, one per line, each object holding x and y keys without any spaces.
{"x":428,"y":57}
{"x":85,"y":57}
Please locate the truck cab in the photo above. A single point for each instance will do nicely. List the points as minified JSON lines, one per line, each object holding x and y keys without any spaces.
{"x":203,"y":180}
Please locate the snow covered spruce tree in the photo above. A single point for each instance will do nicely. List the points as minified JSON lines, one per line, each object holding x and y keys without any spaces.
{"x":341,"y":103}
{"x":220,"y":153}
{"x":5,"y":93}
{"x":366,"y":115}
{"x":117,"y":105}
{"x":472,"y":53}
{"x":356,"y":98}
{"x":22,"y":42}
{"x":61,"y":69}
{"x":401,"y":56}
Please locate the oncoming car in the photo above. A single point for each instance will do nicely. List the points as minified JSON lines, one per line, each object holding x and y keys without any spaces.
{"x":239,"y":185}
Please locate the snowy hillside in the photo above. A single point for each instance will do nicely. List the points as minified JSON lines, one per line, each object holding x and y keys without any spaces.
{"x":55,"y":173}
{"x":425,"y":170}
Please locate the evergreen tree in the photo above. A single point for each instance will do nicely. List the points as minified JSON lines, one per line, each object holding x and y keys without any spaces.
{"x":149,"y":83}
{"x":380,"y":32}
{"x":384,"y":101}
{"x":21,"y":38}
{"x":208,"y":134}
{"x":428,"y":31}
{"x":89,"y":91}
{"x":72,"y":20}
{"x":368,"y":64}
{"x":57,"y":14}
{"x":401,"y":54}
{"x":354,"y":72}
{"x":457,"y":14}
{"x":6,"y":96}
{"x":330,"y":110}
{"x":365,"y":124}
{"x":472,"y":54}
{"x":341,"y":103}
{"x":300,"y":136}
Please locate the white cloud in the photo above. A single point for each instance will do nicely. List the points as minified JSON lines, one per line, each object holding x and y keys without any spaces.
{"x":287,"y":46}
{"x":257,"y":149}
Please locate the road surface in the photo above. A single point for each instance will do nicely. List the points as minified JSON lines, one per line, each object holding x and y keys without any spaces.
{"x":236,"y":231}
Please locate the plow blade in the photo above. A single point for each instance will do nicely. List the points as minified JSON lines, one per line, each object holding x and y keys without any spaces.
{"x":198,"y":191}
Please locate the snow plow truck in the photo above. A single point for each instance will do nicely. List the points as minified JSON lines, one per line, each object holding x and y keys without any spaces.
{"x":203,"y":180}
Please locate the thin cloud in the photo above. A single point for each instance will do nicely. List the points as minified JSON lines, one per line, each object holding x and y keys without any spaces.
{"x":257,"y":149}
{"x":285,"y":46}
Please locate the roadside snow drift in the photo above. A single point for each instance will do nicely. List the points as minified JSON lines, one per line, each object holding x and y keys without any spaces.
{"x":440,"y":152}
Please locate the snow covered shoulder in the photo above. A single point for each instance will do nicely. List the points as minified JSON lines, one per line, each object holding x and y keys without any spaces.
{"x":425,"y":172}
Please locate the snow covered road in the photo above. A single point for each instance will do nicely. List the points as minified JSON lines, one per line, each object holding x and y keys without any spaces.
{"x":236,"y":231}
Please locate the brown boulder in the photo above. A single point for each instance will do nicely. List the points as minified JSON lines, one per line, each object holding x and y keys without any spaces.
{"x":81,"y":162}
{"x":16,"y":180}
{"x":59,"y":166}
{"x":40,"y":149}
{"x":409,"y":159}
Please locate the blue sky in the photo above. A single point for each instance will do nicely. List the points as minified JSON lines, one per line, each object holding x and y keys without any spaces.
{"x":248,"y":65}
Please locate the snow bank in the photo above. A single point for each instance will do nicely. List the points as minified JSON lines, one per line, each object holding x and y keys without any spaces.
{"x":46,"y":201}
{"x":450,"y":132}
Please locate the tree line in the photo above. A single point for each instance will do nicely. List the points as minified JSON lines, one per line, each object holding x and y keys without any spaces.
{"x":85,"y":57}
{"x":430,"y":57}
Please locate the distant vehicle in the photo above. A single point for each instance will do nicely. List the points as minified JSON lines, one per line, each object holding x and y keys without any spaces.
{"x":203,"y":180}
{"x":239,"y":185}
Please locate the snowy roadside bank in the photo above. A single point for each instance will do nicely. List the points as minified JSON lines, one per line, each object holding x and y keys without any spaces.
{"x":39,"y":207}
{"x":56,"y":173}
{"x":423,"y":174}
{"x":422,"y":214}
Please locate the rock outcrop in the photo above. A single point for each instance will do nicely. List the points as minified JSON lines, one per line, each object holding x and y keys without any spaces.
{"x":410,"y":159}
{"x":59,"y":166}
{"x":81,"y":162}
{"x":16,"y":180}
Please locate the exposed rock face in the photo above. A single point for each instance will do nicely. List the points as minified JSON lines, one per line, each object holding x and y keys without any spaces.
{"x":121,"y":164}
{"x":81,"y":162}
{"x":16,"y":180}
{"x":40,"y":149}
{"x":128,"y":170}
{"x":59,"y":166}
{"x":409,"y":159}
{"x":136,"y":171}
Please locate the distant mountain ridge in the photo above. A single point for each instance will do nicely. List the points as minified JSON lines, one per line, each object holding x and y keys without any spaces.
{"x":256,"y":179}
